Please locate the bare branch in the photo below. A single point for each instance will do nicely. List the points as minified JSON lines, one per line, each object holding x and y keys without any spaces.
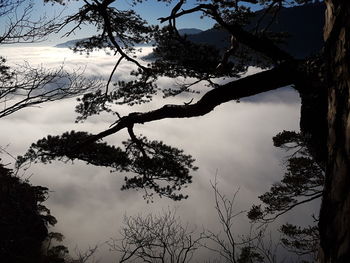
{"x":21,"y":28}
{"x":156,"y":239}
{"x":27,"y":86}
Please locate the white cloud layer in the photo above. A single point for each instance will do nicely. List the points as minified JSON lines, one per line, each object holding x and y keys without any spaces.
{"x":234,"y":141}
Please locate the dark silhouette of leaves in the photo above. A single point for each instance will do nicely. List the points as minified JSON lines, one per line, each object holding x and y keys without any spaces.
{"x":152,"y":165}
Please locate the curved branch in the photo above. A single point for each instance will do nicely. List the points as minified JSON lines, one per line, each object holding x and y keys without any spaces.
{"x":280,"y":76}
{"x":102,"y":9}
{"x":112,"y":73}
{"x":271,"y":219}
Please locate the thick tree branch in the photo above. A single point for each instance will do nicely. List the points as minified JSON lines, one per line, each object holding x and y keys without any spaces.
{"x":282,"y":75}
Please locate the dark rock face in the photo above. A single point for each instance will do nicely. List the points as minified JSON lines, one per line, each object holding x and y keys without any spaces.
{"x":335,"y":211}
{"x":22,"y":227}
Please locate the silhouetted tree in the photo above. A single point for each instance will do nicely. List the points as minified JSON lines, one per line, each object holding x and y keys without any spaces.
{"x":253,"y":247}
{"x":156,"y":238}
{"x":302,"y":183}
{"x":164,"y":238}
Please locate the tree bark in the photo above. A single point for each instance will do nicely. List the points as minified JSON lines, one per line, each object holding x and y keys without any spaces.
{"x":335,"y":210}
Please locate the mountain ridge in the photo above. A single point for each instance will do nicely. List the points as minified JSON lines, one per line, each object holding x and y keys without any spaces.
{"x":305,"y":33}
{"x":183,"y":31}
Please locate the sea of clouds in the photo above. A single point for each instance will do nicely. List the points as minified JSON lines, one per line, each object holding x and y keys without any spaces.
{"x":233,"y":142}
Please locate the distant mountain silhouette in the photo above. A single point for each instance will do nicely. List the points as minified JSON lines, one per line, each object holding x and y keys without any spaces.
{"x":183,"y":31}
{"x":70,"y":43}
{"x":303,"y":24}
{"x":189,"y":31}
{"x":215,"y":37}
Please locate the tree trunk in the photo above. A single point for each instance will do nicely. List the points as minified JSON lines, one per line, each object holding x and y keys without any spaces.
{"x":335,"y":211}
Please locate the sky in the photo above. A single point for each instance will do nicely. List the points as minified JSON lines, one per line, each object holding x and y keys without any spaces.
{"x":233,"y":142}
{"x":150,"y":10}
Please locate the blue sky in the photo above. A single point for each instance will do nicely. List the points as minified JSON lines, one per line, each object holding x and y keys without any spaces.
{"x":150,"y":10}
